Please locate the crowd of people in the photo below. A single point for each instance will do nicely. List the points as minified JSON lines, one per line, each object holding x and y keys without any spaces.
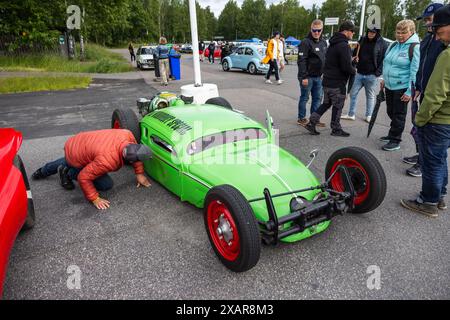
{"x":407,"y":70}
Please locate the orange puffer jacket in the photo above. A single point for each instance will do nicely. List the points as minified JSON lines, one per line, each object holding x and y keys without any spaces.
{"x":97,"y":153}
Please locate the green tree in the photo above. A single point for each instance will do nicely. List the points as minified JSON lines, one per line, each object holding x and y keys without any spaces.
{"x":227,"y":24}
{"x":252,"y":21}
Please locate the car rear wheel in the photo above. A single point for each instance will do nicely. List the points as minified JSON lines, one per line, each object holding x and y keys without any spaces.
{"x":366,"y":174}
{"x":225,"y":65}
{"x":126,"y":119}
{"x":252,"y":68}
{"x":31,"y":217}
{"x":232,"y":228}
{"x":219,"y":101}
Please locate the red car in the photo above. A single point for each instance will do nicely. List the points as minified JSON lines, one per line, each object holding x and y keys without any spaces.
{"x":217,"y":52}
{"x":16,"y":202}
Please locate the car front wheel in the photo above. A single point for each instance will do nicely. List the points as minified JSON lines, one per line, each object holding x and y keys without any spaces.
{"x":366,"y":174}
{"x":232,"y":228}
{"x":30,"y":219}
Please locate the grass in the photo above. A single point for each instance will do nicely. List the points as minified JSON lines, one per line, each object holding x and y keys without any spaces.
{"x":98,"y":60}
{"x":44,"y":83}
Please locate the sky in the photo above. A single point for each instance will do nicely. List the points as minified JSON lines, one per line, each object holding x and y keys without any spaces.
{"x":218,"y":5}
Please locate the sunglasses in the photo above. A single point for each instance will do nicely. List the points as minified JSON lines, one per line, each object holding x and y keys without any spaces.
{"x":316,"y":30}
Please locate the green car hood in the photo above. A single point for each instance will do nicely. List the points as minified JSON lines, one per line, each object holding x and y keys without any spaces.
{"x":251,"y":169}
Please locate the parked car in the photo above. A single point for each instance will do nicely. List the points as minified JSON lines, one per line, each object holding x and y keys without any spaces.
{"x":16,"y":202}
{"x":186,"y":48}
{"x":251,"y":190}
{"x":248,"y":58}
{"x":217,"y":52}
{"x":144,"y":57}
{"x":291,"y":50}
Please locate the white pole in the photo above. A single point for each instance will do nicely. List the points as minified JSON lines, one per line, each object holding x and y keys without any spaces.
{"x":194,"y":37}
{"x":363,"y":15}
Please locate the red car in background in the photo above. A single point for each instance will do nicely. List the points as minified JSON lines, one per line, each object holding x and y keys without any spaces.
{"x":16,"y":202}
{"x":217,"y":52}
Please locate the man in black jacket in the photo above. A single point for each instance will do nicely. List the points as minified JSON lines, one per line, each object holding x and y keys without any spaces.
{"x":369,"y":56}
{"x":430,"y":49}
{"x":338,"y":69}
{"x":311,"y":61}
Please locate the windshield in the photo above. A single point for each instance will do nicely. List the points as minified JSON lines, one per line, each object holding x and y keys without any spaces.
{"x":220,"y":138}
{"x":146,"y":51}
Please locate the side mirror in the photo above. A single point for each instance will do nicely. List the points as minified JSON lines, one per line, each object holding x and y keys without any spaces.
{"x":312,"y":155}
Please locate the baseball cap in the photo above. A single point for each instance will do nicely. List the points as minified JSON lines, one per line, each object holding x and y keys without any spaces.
{"x":347,"y":26}
{"x":373,"y":29}
{"x":430,"y":10}
{"x":442,"y":17}
{"x":136,"y":152}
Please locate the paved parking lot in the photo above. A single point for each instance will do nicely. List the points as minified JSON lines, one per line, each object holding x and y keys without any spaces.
{"x":149,"y":245}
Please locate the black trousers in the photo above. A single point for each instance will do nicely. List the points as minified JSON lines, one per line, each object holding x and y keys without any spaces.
{"x":273,"y":67}
{"x":397,"y":111}
{"x":211,"y":57}
{"x":332,"y":97}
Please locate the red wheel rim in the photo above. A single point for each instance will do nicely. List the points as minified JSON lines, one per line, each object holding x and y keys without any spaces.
{"x":116,"y":124}
{"x":223,"y":231}
{"x":358,"y":175}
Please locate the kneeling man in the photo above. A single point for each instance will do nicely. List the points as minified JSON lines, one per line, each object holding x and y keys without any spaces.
{"x":89,"y":156}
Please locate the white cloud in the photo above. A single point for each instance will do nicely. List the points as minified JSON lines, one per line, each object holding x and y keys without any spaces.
{"x":218,"y":5}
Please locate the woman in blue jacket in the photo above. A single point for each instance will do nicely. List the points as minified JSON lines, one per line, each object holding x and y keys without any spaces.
{"x":400,"y":67}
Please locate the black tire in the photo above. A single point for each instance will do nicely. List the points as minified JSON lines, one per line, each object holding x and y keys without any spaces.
{"x":225,"y":65}
{"x":246,"y":224}
{"x":127,"y":119}
{"x":219,"y":101}
{"x":252,"y":68}
{"x":369,"y":197}
{"x":31,"y":216}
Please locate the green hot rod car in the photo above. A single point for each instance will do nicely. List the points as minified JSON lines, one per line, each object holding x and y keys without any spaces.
{"x":250,"y":189}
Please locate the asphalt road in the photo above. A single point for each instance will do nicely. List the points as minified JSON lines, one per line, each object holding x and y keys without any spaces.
{"x":149,"y":245}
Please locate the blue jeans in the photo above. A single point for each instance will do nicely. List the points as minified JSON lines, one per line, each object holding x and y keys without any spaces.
{"x":315,"y":88}
{"x":102,"y":183}
{"x":369,"y":82}
{"x":434,"y":140}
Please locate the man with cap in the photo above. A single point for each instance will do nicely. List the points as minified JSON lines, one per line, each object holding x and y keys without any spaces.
{"x":337,"y":71}
{"x":89,"y":156}
{"x":430,"y":49}
{"x":433,"y":123}
{"x":369,"y":56}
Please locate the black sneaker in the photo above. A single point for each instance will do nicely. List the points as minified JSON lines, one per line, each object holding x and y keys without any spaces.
{"x":426,"y":209}
{"x":411,"y":160}
{"x":442,"y":205}
{"x":64,"y":179}
{"x":340,"y":133}
{"x":312,"y":129}
{"x":415,"y":171}
{"x":385,"y":139}
{"x":391,"y":146}
{"x":38,"y":175}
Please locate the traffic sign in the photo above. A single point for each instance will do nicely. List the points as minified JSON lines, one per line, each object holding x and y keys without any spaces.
{"x":331,"y":21}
